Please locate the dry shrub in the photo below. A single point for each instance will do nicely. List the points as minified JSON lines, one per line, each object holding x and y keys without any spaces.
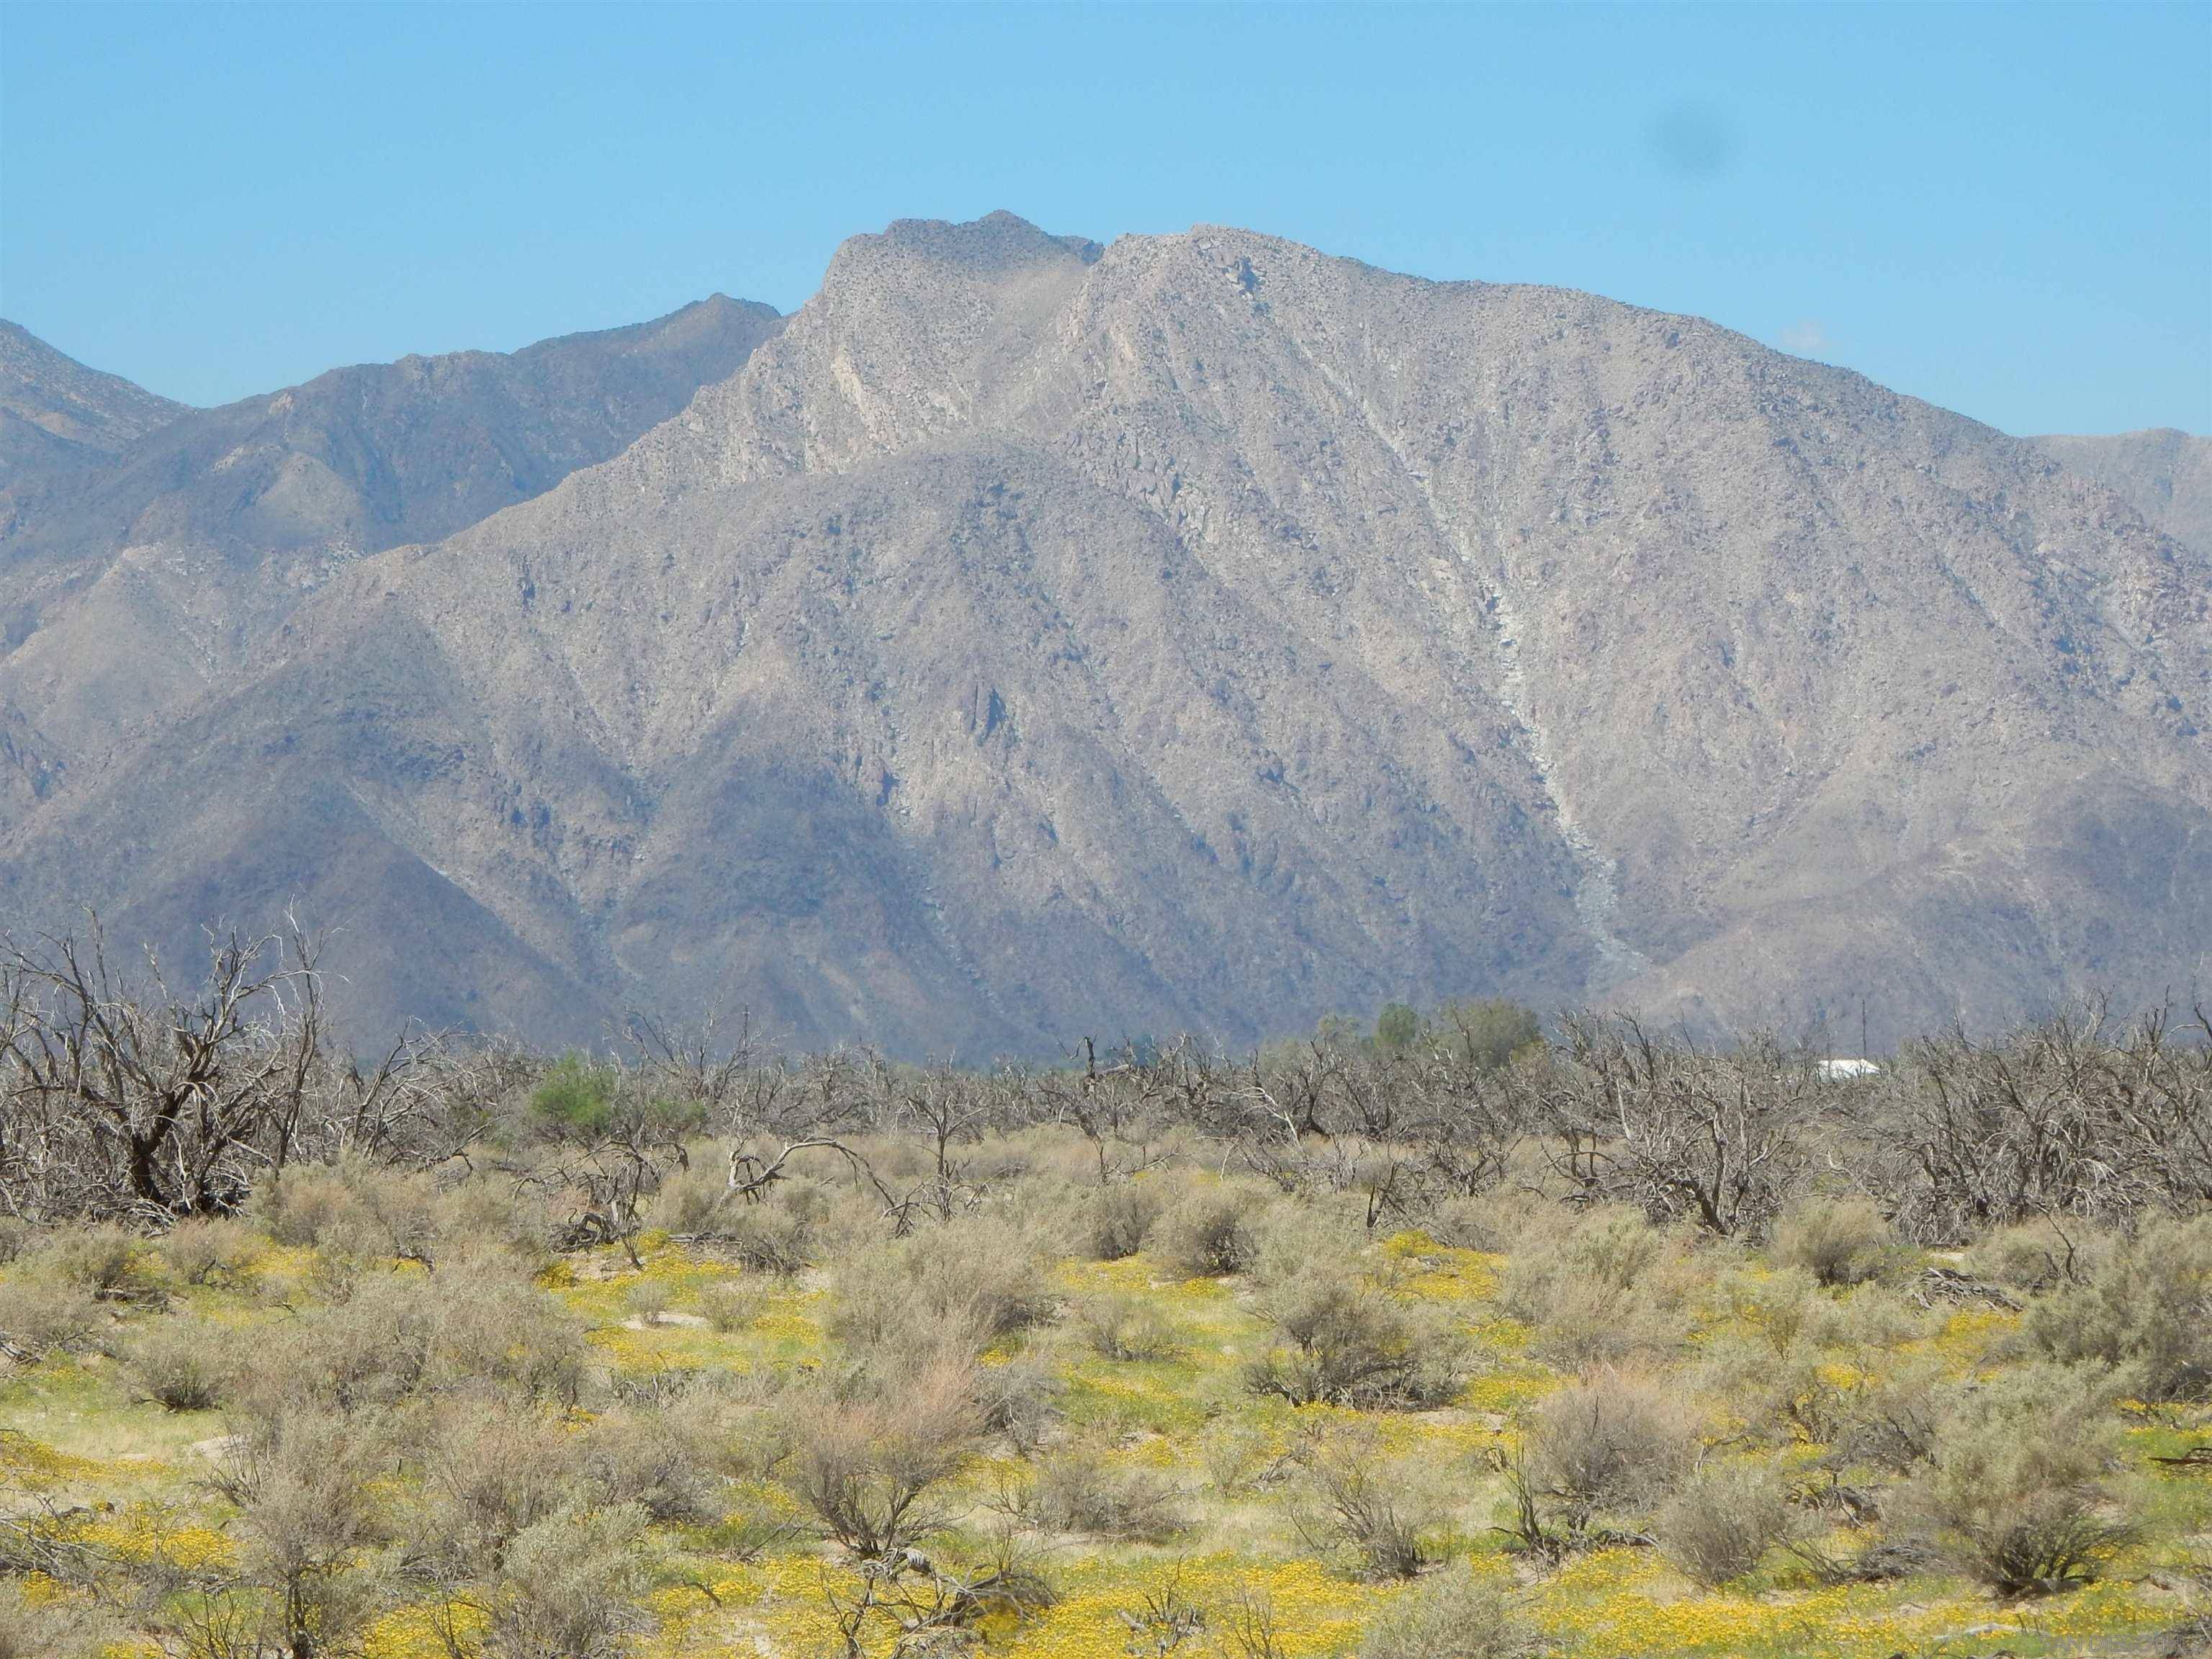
{"x":1080,"y":1487}
{"x":1238,"y":1456}
{"x":2148,"y":1307}
{"x":1777,"y":1397}
{"x":110,"y":1261}
{"x":780,"y":1233}
{"x":298,"y":1205}
{"x":869,"y":1463}
{"x":491,"y":1468}
{"x":1127,"y":1328}
{"x":1839,"y":1241}
{"x":797,"y":1223}
{"x":1355,"y":1502}
{"x":398,"y":1334}
{"x":51,"y":1629}
{"x":352,"y":1208}
{"x":1609,"y":1443}
{"x":42,"y":1314}
{"x":1894,"y":1419}
{"x":694,"y":1203}
{"x":2017,"y":1495}
{"x":1117,"y":1218}
{"x":647,"y":1299}
{"x":1019,"y":1399}
{"x":979,"y":1278}
{"x":664,"y":1460}
{"x":371,"y":1348}
{"x":487,"y":1330}
{"x":303,"y":1485}
{"x":182,"y":1364}
{"x":203,"y":1250}
{"x":569,"y":1588}
{"x":513,"y":1228}
{"x":1451,"y":1613}
{"x":731,"y":1304}
{"x":1344,"y":1342}
{"x":1720,"y":1521}
{"x":1781,"y":1311}
{"x":1603,"y":1287}
{"x":1496,"y":1224}
{"x":2033,"y":1256}
{"x":1210,"y":1230}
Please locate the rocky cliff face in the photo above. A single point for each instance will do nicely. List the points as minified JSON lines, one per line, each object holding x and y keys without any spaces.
{"x":1031,"y":639}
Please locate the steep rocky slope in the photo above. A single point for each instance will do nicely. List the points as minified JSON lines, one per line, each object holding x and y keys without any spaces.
{"x":131,"y":588}
{"x":57,"y":414}
{"x":2165,"y":475}
{"x":1033,"y":638}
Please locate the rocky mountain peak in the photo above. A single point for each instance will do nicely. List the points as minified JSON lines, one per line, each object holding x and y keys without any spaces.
{"x":1026,"y":639}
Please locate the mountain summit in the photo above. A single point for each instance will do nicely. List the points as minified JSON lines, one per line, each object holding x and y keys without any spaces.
{"x":1027,"y":639}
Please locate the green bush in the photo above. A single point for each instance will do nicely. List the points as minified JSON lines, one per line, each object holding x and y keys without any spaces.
{"x":1487,"y":1034}
{"x":1397,"y":1028}
{"x":576,"y":1096}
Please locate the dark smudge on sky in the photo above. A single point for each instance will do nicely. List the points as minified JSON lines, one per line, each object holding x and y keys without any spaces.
{"x":1694,"y":140}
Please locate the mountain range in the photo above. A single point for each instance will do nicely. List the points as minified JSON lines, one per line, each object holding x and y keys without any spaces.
{"x":1028,"y":639}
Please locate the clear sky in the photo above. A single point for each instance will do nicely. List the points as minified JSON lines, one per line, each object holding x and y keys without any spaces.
{"x":2006,"y":209}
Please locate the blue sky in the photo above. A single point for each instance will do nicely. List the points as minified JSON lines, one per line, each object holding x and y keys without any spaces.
{"x":2006,"y":210}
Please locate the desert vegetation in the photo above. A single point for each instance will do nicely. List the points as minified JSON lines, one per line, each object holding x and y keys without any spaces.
{"x":1446,"y":1340}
